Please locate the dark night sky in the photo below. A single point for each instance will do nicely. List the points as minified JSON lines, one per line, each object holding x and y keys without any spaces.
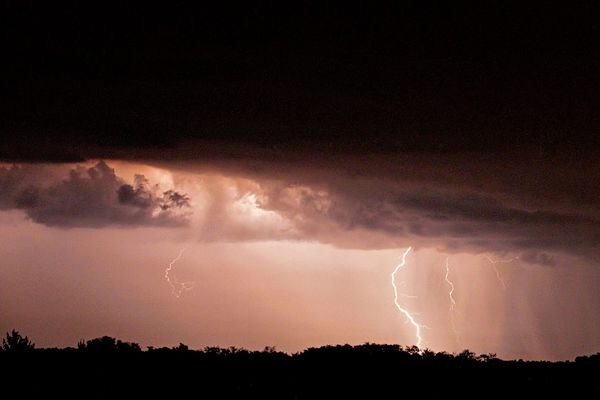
{"x":90,"y":80}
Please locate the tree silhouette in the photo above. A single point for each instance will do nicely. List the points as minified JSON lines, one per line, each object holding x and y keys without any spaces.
{"x":14,"y":342}
{"x":107,"y":344}
{"x":108,"y":368}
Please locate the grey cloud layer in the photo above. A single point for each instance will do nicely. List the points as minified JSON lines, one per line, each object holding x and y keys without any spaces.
{"x":453,"y":219}
{"x":519,"y":203}
{"x":89,"y":197}
{"x":455,"y":205}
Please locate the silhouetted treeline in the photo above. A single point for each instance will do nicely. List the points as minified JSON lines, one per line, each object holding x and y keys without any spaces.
{"x":110,"y":368}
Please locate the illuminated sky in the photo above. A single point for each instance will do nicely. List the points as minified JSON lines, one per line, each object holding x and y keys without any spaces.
{"x":274,"y":262}
{"x":295,"y":155}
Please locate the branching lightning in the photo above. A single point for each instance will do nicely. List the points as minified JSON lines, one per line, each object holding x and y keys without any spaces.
{"x":409,"y":317}
{"x":452,"y":300}
{"x":498,"y":275}
{"x":177,"y":287}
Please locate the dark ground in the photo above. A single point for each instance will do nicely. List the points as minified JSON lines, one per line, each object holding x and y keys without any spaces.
{"x":109,"y":369}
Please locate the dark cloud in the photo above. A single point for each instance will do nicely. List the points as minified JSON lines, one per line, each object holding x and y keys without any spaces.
{"x":471,"y":129}
{"x":91,"y":197}
{"x":538,"y":258}
{"x":137,"y":197}
{"x":91,"y":82}
{"x":20,"y":184}
{"x":339,"y":208}
{"x":173,"y":199}
{"x":141,"y":195}
{"x":453,"y":211}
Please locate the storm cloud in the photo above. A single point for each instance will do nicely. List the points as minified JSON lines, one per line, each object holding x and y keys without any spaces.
{"x":90,"y":197}
{"x":461,"y":132}
{"x":523,"y":204}
{"x":349,"y":203}
{"x":452,"y":220}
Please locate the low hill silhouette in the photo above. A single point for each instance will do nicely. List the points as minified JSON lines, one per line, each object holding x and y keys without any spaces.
{"x":107,"y":368}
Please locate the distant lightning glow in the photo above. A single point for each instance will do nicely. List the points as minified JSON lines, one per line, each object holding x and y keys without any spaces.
{"x":176,"y":287}
{"x":406,"y":313}
{"x":452,"y":301}
{"x":494,"y":262}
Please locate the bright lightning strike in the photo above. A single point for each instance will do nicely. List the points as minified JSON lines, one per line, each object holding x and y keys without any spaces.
{"x":498,"y":275}
{"x":406,"y":313}
{"x":451,"y":297}
{"x":177,"y":287}
{"x":451,"y":285}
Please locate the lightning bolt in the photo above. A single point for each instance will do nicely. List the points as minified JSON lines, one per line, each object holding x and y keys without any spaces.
{"x":498,"y":275}
{"x":409,"y":317}
{"x":451,"y":285}
{"x":451,"y":297}
{"x":177,"y":287}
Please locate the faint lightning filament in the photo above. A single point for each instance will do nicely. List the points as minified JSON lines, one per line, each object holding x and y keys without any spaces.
{"x":452,"y":301}
{"x":177,"y":287}
{"x":406,"y":313}
{"x":498,"y":275}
